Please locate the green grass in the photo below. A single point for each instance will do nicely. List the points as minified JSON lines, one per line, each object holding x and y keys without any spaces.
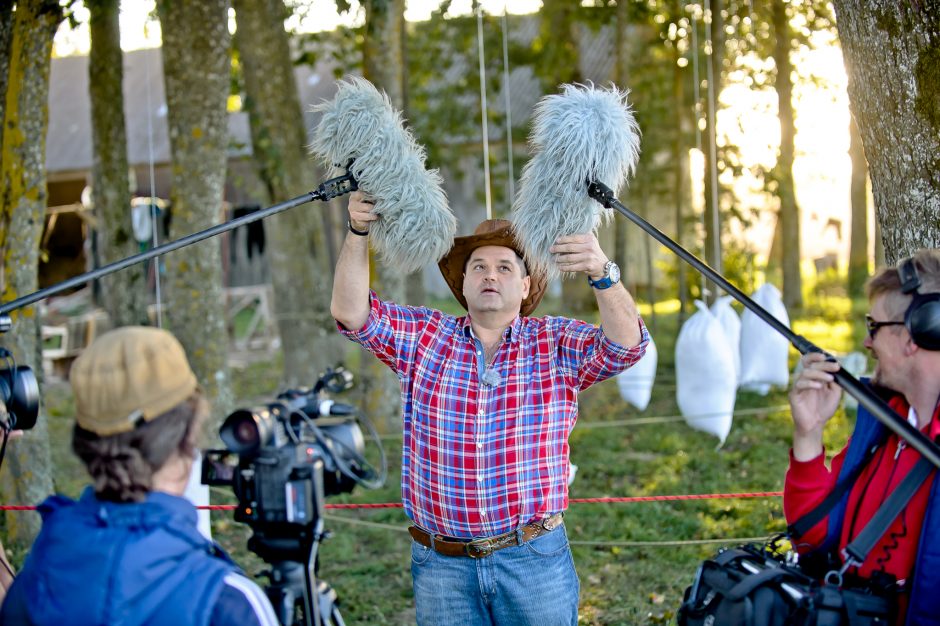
{"x":367,"y":558}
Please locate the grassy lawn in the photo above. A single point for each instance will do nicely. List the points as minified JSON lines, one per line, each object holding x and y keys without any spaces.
{"x":367,"y":558}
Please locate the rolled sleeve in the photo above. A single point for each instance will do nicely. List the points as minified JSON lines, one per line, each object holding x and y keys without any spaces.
{"x":390,"y":332}
{"x":620,"y":353}
{"x":370,"y":328}
{"x":597,"y":357}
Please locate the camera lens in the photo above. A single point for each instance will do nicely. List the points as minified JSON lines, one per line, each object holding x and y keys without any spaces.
{"x":245,"y":432}
{"x":19,"y":391}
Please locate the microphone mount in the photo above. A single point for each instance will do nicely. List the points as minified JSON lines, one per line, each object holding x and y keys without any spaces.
{"x":865,"y":396}
{"x":332,"y":188}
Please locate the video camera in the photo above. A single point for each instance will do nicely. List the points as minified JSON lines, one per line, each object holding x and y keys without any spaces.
{"x":281,"y":460}
{"x":19,"y":391}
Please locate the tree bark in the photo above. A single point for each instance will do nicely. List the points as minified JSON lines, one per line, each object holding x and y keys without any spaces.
{"x":681,"y":192}
{"x":196,"y":72}
{"x":789,"y":210}
{"x":892,"y":58}
{"x":300,"y":264}
{"x":858,"y":242}
{"x":26,"y":56}
{"x":125,"y":293}
{"x":383,"y":65}
{"x":715,"y":60}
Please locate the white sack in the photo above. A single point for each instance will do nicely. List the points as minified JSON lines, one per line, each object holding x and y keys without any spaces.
{"x":763,"y":350}
{"x":636,"y":383}
{"x":705,"y":383}
{"x":731,"y":323}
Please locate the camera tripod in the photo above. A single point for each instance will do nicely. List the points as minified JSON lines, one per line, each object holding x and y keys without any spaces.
{"x":298,"y":597}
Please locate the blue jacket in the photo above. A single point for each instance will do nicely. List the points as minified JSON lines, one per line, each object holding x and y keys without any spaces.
{"x":924,"y":606}
{"x":128,"y":564}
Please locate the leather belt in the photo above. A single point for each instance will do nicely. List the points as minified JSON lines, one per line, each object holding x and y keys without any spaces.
{"x":480,"y":548}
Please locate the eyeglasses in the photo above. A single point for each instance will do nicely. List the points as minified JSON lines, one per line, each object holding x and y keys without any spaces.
{"x":874,"y":326}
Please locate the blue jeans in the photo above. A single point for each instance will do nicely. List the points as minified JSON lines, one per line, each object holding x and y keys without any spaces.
{"x":534,"y":583}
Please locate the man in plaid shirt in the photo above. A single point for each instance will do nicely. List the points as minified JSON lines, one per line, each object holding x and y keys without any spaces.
{"x":488,"y":401}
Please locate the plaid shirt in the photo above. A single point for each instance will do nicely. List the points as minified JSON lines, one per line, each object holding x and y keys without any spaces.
{"x":485,"y":455}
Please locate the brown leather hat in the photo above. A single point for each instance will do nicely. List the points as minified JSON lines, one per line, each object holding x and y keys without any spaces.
{"x":488,"y":233}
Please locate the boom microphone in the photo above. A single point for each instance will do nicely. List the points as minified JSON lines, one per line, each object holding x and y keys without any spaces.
{"x":583,"y":134}
{"x":359,"y":124}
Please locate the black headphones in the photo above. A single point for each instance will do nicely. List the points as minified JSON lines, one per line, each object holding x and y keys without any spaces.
{"x":922,"y":317}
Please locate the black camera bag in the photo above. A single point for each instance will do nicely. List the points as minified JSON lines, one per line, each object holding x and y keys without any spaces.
{"x":750,"y":586}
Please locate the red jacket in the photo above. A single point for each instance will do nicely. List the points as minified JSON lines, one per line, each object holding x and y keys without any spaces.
{"x":808,"y":483}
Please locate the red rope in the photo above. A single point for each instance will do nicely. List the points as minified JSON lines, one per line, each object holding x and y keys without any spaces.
{"x":609,"y":500}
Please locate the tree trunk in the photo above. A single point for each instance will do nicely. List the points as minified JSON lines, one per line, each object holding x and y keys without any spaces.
{"x":789,"y":211}
{"x":383,"y":65}
{"x":300,"y":267}
{"x":125,"y":292}
{"x":712,"y":215}
{"x":681,"y":192}
{"x":622,"y":63}
{"x":196,"y":72}
{"x":6,"y":37}
{"x":858,"y":243}
{"x":892,"y":58}
{"x":26,"y":39}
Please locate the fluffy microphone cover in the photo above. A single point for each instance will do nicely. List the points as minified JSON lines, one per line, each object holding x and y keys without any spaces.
{"x":583,"y":134}
{"x":359,"y":123}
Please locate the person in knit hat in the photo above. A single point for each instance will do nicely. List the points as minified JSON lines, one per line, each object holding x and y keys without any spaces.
{"x":128,"y":551}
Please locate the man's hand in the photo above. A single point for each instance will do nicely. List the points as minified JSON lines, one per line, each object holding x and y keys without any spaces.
{"x":580,"y":253}
{"x":814,"y":398}
{"x":360,"y":211}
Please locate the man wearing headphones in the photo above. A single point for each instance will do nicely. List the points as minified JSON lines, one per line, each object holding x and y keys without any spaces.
{"x":904,"y":337}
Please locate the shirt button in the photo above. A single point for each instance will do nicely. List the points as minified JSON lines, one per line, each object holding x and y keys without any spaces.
{"x":482,"y":513}
{"x":480,"y":412}
{"x":479,"y":479}
{"x":479,"y":446}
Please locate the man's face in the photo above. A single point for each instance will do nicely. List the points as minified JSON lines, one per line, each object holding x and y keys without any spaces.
{"x":495,"y":281}
{"x":888,"y":344}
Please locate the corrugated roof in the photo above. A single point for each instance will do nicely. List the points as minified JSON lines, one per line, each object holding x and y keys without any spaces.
{"x":69,"y":147}
{"x":68,"y":143}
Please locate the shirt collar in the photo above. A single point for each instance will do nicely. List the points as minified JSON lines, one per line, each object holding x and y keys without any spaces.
{"x":512,"y":331}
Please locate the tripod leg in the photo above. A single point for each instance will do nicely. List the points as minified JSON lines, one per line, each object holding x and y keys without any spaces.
{"x":336,"y":618}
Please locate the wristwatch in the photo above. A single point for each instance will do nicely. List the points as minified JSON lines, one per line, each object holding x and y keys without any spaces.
{"x":611,"y":277}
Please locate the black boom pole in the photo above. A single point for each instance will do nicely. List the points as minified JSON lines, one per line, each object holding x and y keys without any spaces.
{"x":332,"y":188}
{"x":875,"y":405}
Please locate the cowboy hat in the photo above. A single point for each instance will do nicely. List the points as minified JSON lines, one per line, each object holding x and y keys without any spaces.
{"x":488,"y":233}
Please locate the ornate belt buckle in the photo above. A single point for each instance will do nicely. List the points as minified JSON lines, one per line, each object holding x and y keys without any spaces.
{"x":552,"y":522}
{"x":478,"y":549}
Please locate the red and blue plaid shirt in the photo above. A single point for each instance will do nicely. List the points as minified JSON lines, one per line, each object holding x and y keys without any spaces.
{"x":483,"y":456}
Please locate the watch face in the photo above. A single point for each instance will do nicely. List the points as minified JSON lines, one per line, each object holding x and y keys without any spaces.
{"x":614,"y":273}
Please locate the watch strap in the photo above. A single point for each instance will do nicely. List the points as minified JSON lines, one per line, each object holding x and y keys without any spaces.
{"x":605,"y":281}
{"x":361,"y":233}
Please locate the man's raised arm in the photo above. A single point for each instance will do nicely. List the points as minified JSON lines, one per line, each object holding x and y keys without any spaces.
{"x":350,"y":303}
